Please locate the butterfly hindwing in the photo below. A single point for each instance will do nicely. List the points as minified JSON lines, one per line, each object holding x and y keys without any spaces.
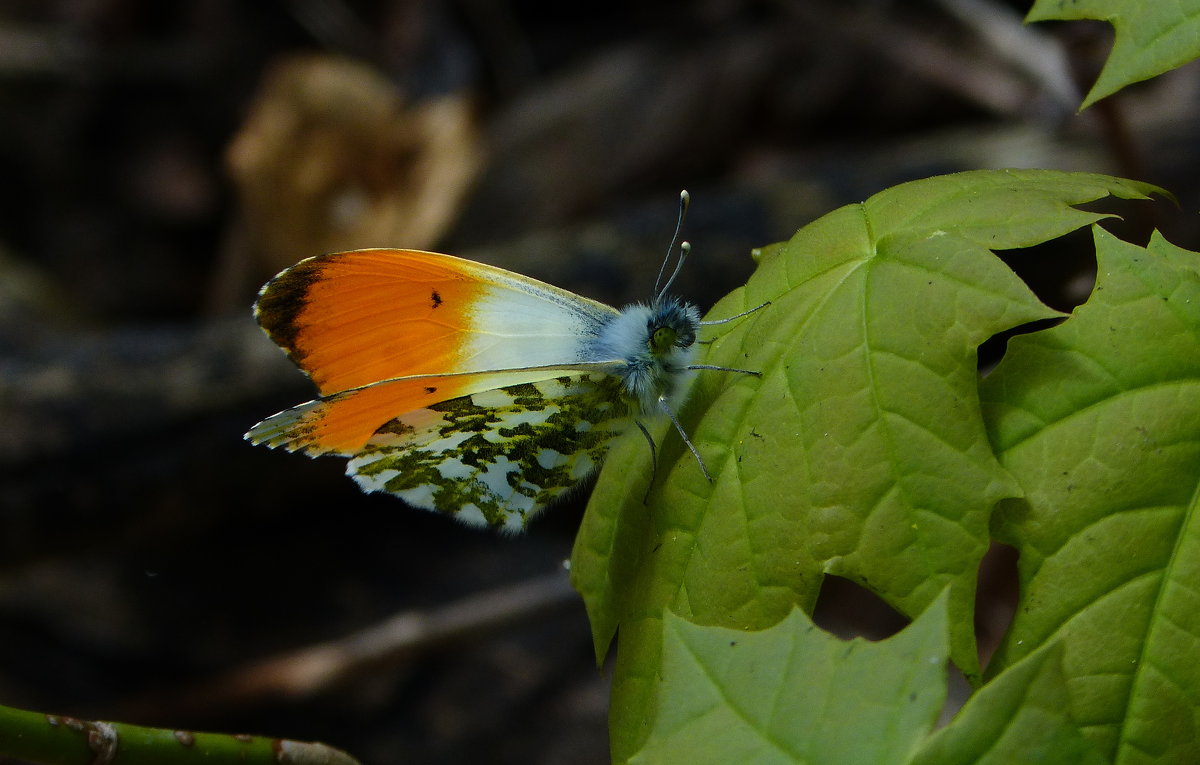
{"x":496,"y":457}
{"x":342,"y":423}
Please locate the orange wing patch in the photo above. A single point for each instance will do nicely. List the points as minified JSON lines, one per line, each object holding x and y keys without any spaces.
{"x":352,"y":319}
{"x":342,"y":423}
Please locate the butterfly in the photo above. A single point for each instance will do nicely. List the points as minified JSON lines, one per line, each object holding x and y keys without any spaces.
{"x":467,"y":389}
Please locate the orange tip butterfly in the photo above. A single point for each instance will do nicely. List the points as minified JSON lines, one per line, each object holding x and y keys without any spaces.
{"x":466,"y":389}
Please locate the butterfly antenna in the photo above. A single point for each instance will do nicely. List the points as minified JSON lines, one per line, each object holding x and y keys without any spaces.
{"x":685,"y":199}
{"x":684,"y":250}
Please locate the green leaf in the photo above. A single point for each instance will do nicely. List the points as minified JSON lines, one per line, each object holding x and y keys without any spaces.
{"x":861,"y":450}
{"x":1022,"y":716}
{"x":1099,"y":421}
{"x":794,"y":693}
{"x":1152,"y":36}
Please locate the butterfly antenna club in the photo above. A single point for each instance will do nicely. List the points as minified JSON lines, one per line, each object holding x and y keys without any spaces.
{"x":685,"y":201}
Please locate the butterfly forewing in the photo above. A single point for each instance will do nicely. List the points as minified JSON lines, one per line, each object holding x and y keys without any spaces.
{"x":352,"y":319}
{"x":496,"y":457}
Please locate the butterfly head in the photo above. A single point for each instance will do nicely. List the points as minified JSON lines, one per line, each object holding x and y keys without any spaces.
{"x":670,"y":327}
{"x":652,"y":346}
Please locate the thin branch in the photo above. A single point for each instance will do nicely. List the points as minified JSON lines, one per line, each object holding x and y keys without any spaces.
{"x":55,"y":740}
{"x":319,"y":667}
{"x":1025,"y":48}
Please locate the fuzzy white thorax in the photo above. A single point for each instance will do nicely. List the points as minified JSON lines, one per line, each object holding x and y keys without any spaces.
{"x":649,"y":374}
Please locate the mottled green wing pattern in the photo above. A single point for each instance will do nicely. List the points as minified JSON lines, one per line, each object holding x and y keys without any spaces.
{"x":498,"y":457}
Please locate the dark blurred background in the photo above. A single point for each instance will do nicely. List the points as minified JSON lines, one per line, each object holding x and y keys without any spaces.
{"x":159,"y":161}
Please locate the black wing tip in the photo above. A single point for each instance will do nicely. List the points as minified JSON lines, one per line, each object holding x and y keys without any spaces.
{"x":283,"y":299}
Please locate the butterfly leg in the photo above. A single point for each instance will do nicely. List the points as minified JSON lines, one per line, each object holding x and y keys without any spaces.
{"x":725,"y":369}
{"x":736,"y":316}
{"x":728,"y":319}
{"x":653,"y":459}
{"x":683,"y":434}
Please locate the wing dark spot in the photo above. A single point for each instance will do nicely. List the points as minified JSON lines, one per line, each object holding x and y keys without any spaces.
{"x":435,"y":299}
{"x":429,"y":389}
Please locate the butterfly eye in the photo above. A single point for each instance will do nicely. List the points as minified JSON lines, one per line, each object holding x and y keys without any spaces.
{"x":662,"y":338}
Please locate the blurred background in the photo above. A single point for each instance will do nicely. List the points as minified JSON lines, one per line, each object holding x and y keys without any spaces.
{"x":159,"y":161}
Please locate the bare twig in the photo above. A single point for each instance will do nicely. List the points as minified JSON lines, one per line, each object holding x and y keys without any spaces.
{"x":1026,"y":48}
{"x":56,"y":740}
{"x":319,"y":667}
